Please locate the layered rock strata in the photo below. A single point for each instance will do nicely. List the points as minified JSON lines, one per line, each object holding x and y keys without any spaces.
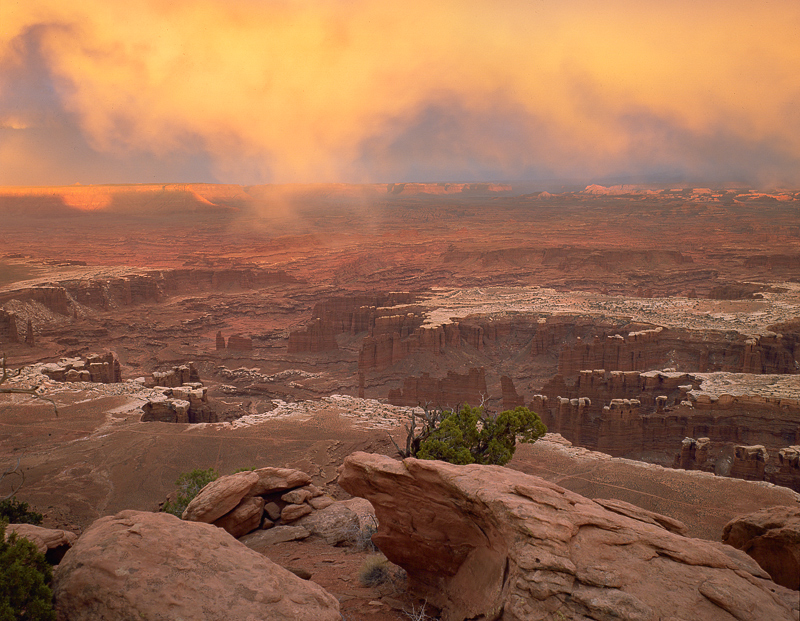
{"x":447,"y":392}
{"x":751,"y":463}
{"x":182,"y":404}
{"x":107,"y":293}
{"x":176,"y":376}
{"x":631,"y":413}
{"x":378,"y":314}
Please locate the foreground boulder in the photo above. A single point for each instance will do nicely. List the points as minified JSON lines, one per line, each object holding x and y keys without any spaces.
{"x":140,"y":565}
{"x":772,"y":537}
{"x":492,"y":543}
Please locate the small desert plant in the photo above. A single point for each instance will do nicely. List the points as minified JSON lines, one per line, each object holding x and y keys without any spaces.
{"x":418,"y":614}
{"x":361,"y":537}
{"x":189,"y":485}
{"x":375,"y":571}
{"x":238,"y":470}
{"x":25,"y":577}
{"x":16,"y":512}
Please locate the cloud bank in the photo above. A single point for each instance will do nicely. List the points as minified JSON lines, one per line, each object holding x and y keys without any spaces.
{"x":256,"y":91}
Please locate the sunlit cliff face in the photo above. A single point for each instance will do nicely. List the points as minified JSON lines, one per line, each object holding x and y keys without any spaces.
{"x":254,"y":91}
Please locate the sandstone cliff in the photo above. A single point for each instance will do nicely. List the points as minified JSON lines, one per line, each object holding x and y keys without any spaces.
{"x":631,"y":413}
{"x":447,"y":392}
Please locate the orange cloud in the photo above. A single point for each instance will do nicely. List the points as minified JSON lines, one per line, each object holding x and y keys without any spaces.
{"x":322,"y":90}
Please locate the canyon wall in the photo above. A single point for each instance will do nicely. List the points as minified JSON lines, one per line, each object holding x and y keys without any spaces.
{"x":748,"y":462}
{"x":634,"y":413}
{"x":447,"y":392}
{"x":659,"y":347}
{"x":152,"y":286}
{"x":378,"y":315}
{"x":53,"y":297}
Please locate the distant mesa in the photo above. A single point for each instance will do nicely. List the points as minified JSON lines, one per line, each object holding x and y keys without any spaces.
{"x":134,"y":199}
{"x":236,"y":342}
{"x":613,"y":190}
{"x":101,"y":368}
{"x":447,"y":188}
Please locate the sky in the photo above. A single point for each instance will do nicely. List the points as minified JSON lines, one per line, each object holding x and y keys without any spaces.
{"x":284,"y":91}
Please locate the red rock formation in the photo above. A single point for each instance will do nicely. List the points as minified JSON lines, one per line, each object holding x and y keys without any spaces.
{"x":772,"y":537}
{"x":176,"y":376}
{"x":53,"y":297}
{"x":356,"y":313}
{"x":632,"y":413}
{"x":695,"y":455}
{"x":352,"y":315}
{"x":749,"y":462}
{"x":317,"y":336}
{"x":102,"y":368}
{"x":510,"y":397}
{"x":193,"y":279}
{"x":30,"y":341}
{"x":788,"y":470}
{"x":657,"y":347}
{"x":477,"y":540}
{"x":240,"y":343}
{"x":220,"y":341}
{"x":148,"y":550}
{"x":386,"y":349}
{"x":447,"y":392}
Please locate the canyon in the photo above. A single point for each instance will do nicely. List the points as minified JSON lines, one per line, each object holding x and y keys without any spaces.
{"x":186,"y":326}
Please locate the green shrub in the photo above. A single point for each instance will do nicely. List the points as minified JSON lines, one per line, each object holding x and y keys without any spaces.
{"x":16,"y":512}
{"x":189,"y":485}
{"x":470,"y":436}
{"x":25,"y":577}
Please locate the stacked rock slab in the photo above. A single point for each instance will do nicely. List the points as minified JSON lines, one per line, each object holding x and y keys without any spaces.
{"x":265,"y":498}
{"x":187,"y":403}
{"x":141,"y":565}
{"x":491,"y":543}
{"x":176,"y":376}
{"x":101,"y":368}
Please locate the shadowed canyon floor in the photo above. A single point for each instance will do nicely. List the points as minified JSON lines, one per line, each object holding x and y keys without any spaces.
{"x":318,"y":316}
